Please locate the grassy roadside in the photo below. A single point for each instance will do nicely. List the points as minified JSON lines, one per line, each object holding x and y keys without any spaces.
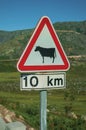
{"x":27,"y":103}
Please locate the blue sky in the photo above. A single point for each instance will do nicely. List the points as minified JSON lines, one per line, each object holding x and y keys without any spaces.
{"x":25,"y":14}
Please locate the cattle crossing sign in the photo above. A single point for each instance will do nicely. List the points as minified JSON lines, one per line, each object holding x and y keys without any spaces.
{"x":44,"y":51}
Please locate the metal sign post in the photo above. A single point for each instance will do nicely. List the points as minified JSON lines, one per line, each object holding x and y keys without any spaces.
{"x":43,"y":108}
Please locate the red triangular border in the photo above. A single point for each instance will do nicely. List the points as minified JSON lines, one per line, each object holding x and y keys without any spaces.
{"x":23,"y":68}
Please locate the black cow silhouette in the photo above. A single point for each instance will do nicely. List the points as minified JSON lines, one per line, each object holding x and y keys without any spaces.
{"x":46,"y":52}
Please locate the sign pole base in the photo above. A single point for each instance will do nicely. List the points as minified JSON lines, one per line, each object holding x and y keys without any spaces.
{"x":43,"y":108}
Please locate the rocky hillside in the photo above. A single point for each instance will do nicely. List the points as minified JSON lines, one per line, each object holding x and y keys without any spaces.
{"x":10,"y":116}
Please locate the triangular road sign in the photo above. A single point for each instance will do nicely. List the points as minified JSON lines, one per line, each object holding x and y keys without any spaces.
{"x":44,"y":51}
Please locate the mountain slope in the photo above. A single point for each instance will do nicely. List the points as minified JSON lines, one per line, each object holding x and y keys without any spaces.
{"x":71,"y":34}
{"x":79,"y":27}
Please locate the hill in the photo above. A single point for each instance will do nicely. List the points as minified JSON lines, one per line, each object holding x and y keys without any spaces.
{"x":79,"y":27}
{"x":71,"y":34}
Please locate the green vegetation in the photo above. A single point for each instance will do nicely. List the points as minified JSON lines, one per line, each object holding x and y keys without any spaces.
{"x":27,"y":104}
{"x":8,"y":65}
{"x":60,"y":102}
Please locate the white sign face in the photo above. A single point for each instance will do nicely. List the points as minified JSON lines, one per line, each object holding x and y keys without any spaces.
{"x":44,"y":42}
{"x":43,"y":81}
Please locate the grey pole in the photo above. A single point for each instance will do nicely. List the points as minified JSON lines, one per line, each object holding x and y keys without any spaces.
{"x":43,"y":108}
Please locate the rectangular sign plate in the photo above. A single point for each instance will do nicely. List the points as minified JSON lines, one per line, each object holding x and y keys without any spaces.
{"x":43,"y":81}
